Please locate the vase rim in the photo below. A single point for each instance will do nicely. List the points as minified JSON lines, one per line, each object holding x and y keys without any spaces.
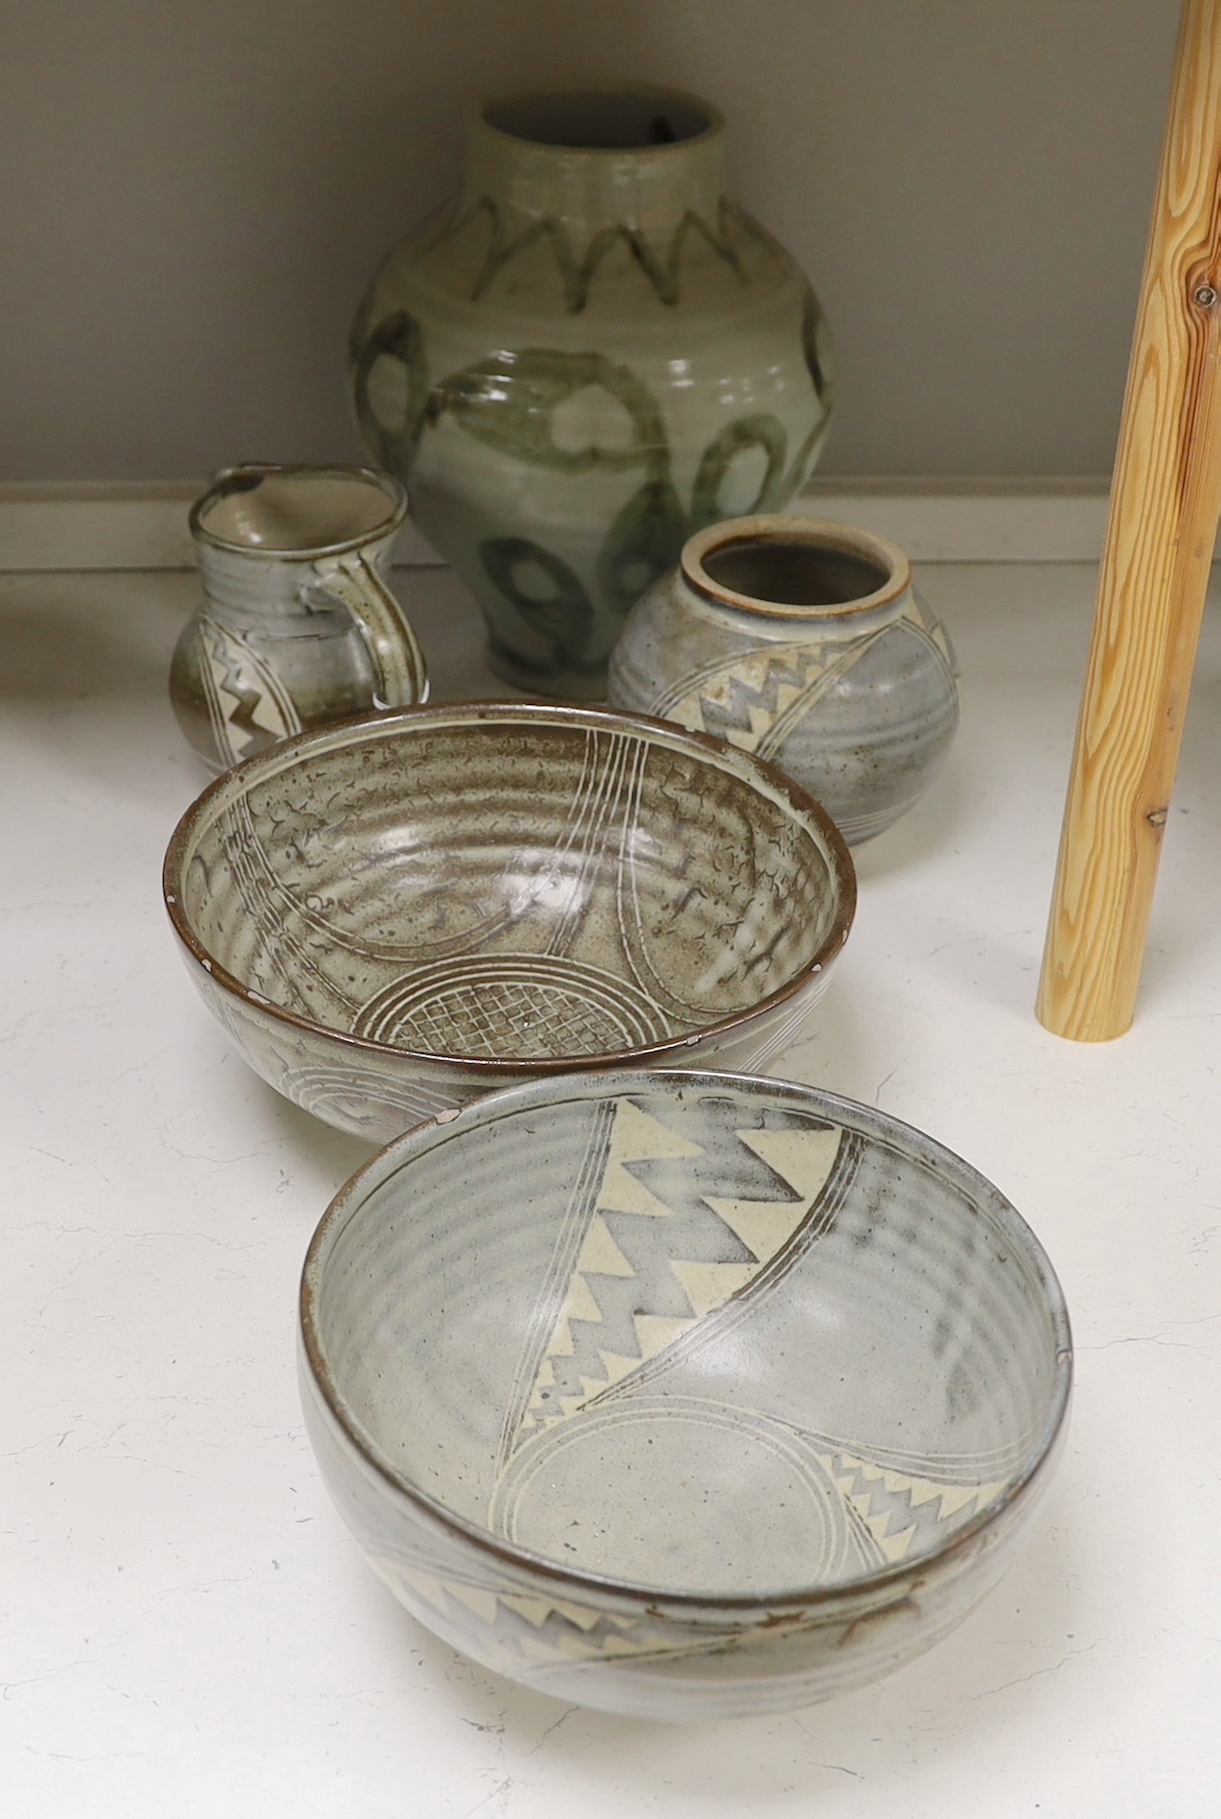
{"x":704,"y":121}
{"x":773,"y":529}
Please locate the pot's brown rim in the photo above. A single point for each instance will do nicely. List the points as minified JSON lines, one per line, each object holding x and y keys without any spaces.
{"x":653,"y":90}
{"x":283,"y":755}
{"x":814,"y":533}
{"x":794,"y":1601}
{"x":392,"y":490}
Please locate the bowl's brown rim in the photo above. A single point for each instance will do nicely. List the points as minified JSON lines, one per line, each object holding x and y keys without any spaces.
{"x":611,"y":1082}
{"x":843,"y":874}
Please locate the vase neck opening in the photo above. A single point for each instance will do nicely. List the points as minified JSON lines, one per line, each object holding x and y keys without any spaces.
{"x":792,"y":566}
{"x":794,"y":574}
{"x":630,"y":156}
{"x":601,"y":120}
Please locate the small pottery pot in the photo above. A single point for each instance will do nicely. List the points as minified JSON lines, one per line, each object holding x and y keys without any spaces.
{"x":297,"y":626}
{"x":803,"y":641}
{"x":591,"y":353}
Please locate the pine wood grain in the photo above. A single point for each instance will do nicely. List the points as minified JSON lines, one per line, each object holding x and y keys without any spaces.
{"x":1165,"y":500}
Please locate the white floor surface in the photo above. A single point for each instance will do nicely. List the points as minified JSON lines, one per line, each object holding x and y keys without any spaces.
{"x":186,"y":1629}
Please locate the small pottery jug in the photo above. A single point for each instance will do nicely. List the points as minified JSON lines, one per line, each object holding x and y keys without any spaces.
{"x":591,"y":353}
{"x":804,"y":641}
{"x":297,"y":625}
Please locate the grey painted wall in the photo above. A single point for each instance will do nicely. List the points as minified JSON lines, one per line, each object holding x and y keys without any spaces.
{"x":193,"y":192}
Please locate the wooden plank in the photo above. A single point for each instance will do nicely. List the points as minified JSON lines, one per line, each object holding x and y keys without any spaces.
{"x":1165,"y":501}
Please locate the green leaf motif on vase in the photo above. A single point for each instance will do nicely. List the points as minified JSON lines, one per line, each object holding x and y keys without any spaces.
{"x":549,"y":599}
{"x":642,"y":544}
{"x":391,"y":386}
{"x":811,"y":329}
{"x":509,"y":401}
{"x":763,"y":432}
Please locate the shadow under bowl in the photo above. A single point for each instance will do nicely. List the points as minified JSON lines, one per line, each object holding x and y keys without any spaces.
{"x":683,"y":1395}
{"x":393,"y":915}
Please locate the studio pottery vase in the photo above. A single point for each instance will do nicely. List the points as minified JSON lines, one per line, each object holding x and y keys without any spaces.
{"x":805,"y":642}
{"x":591,"y":354}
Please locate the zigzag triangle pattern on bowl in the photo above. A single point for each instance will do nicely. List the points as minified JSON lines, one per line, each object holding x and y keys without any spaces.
{"x":682,"y":1394}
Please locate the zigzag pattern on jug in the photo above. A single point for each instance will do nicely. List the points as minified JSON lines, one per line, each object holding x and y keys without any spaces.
{"x":259,"y":710}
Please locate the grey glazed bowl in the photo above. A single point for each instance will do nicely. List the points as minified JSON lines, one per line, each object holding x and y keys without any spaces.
{"x":393,"y":915}
{"x":683,"y":1395}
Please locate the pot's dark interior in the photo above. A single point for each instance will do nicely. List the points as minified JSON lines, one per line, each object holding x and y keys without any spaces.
{"x":600,"y":121}
{"x":794,"y":574}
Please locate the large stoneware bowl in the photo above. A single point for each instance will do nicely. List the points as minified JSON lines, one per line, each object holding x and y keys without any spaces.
{"x":394,"y":915}
{"x":682,"y":1395}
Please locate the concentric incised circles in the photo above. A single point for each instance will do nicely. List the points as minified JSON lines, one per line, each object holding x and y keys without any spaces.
{"x":437,"y":898}
{"x":529,"y":1004}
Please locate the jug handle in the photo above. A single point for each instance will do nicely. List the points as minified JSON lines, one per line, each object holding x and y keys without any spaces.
{"x":398,"y":661}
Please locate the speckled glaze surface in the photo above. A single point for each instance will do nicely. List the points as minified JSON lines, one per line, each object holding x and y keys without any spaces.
{"x":395,"y":915}
{"x":803,"y":640}
{"x":588,"y":355}
{"x":298,"y":625}
{"x":771,"y":1389}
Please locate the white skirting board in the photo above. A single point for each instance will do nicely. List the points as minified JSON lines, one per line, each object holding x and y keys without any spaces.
{"x":143,"y":525}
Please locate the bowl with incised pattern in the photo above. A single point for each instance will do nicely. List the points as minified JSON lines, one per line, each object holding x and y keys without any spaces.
{"x":393,"y":915}
{"x":772,"y":1390}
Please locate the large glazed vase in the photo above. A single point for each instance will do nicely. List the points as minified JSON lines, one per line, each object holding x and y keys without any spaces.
{"x":589,"y":355}
{"x":803,"y":641}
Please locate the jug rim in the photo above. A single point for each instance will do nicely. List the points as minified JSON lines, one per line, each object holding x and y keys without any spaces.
{"x":244,"y":476}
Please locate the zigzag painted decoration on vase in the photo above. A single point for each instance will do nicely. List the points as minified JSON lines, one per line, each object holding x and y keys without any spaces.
{"x":806,"y":642}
